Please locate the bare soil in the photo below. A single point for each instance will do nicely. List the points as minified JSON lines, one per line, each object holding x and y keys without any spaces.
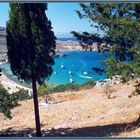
{"x":82,"y":113}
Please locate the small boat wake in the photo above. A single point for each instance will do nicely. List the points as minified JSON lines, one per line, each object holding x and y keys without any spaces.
{"x":83,"y":76}
{"x":80,"y":74}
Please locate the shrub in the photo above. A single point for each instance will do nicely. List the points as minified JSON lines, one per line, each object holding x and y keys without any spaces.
{"x":89,"y":84}
{"x":133,"y":94}
{"x":22,"y":94}
{"x":123,"y":79}
{"x":44,"y":89}
{"x":7,"y":102}
{"x":108,"y":91}
{"x":67,"y":87}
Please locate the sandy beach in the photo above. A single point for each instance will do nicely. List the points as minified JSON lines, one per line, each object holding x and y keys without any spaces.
{"x":10,"y":85}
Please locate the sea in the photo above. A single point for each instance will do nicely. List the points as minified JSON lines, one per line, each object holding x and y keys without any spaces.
{"x":67,"y":39}
{"x":76,"y":66}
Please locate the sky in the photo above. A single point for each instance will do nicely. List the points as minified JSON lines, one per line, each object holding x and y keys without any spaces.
{"x":62,"y":15}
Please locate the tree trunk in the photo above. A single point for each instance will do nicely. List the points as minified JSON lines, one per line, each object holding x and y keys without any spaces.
{"x":36,"y":110}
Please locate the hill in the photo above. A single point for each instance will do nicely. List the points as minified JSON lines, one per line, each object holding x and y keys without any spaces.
{"x":82,"y":113}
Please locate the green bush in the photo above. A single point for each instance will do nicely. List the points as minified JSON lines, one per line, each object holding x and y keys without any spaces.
{"x":89,"y":84}
{"x":7,"y":102}
{"x":22,"y":94}
{"x":44,"y":89}
{"x":67,"y":87}
{"x":123,"y":79}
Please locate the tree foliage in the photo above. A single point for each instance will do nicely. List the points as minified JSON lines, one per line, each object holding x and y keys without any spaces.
{"x":22,"y":94}
{"x":30,"y":42}
{"x":7,"y":102}
{"x":31,"y":46}
{"x":121,"y":24}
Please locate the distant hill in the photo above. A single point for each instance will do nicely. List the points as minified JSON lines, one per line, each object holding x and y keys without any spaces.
{"x":3,"y":47}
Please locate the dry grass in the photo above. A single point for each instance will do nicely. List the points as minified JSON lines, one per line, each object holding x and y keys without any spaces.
{"x":82,"y":113}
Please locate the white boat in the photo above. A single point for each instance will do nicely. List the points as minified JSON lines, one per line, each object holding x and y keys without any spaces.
{"x":62,"y":66}
{"x":85,"y":73}
{"x":71,"y":80}
{"x":70,"y":72}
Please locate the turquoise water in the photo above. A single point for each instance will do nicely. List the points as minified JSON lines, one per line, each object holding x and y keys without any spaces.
{"x":77,"y":62}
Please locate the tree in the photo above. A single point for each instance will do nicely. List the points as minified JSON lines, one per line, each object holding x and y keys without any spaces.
{"x":31,"y":46}
{"x":121,"y":24}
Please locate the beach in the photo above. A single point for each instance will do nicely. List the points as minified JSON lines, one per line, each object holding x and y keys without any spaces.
{"x":10,"y":85}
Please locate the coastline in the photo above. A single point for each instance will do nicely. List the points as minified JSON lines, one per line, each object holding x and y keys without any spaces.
{"x":11,"y":85}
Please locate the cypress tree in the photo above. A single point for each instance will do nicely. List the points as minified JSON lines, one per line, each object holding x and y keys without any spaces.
{"x":31,"y":46}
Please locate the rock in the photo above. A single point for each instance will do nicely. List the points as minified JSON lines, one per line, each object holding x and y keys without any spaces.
{"x":29,"y":135}
{"x":49,"y":129}
{"x":43,"y":105}
{"x":117,"y":82}
{"x":101,"y":117}
{"x":63,"y":125}
{"x":62,"y":133}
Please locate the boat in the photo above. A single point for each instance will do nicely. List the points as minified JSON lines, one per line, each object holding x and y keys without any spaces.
{"x":62,"y":66}
{"x":60,"y":54}
{"x":55,"y":73}
{"x":71,"y":80}
{"x":85,"y":72}
{"x":70,"y":72}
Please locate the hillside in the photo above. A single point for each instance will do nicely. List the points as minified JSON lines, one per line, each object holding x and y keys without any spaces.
{"x":83,"y":113}
{"x":3,"y":47}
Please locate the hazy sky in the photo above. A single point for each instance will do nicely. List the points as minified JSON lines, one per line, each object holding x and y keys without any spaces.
{"x":62,"y":15}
